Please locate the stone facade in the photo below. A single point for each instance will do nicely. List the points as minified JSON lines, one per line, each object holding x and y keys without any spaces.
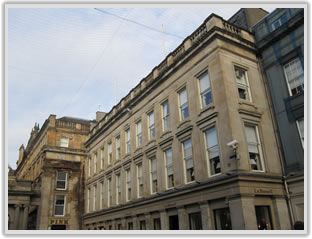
{"x":280,"y":40}
{"x":192,"y":146}
{"x":53,"y":165}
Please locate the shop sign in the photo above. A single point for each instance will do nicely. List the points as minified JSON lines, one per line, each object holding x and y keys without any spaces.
{"x":263,"y":191}
{"x":55,"y":221}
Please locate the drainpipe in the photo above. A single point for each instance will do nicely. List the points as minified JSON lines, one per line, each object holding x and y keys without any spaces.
{"x":277,"y":137}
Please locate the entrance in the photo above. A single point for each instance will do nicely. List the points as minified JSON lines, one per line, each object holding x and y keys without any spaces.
{"x":174,"y":222}
{"x":58,"y":227}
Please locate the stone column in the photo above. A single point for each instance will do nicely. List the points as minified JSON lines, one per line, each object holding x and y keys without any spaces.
{"x":123,"y":224}
{"x":183,"y":220}
{"x":25,"y":217}
{"x":164,"y":221}
{"x":206,"y":216}
{"x":16,"y":217}
{"x":280,"y":210}
{"x":135,"y":223}
{"x":149,"y":221}
{"x":243,"y":213}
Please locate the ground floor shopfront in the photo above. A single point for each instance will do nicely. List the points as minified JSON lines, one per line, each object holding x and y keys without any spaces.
{"x":225,"y":202}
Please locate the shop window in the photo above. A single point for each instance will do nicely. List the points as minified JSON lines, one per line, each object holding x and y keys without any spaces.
{"x":174,"y":222}
{"x":205,"y":89}
{"x":119,"y":227}
{"x":157,"y":225}
{"x":263,"y":215}
{"x":213,"y":151}
{"x":184,"y":112}
{"x":61,"y":180}
{"x":294,"y":76}
{"x":195,"y":221}
{"x":58,"y":227}
{"x":223,"y":219}
{"x":130,"y":226}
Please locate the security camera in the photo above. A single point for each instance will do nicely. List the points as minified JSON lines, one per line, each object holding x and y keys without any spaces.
{"x":233,"y":144}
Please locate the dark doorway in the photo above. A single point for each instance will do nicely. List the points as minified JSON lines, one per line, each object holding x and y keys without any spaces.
{"x":174,"y":222}
{"x":263,"y":215}
{"x":32,"y":220}
{"x":58,"y":227}
{"x":223,"y":219}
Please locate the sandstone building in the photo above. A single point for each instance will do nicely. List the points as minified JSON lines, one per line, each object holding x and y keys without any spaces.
{"x":51,"y":166}
{"x":192,"y":146}
{"x":280,"y":40}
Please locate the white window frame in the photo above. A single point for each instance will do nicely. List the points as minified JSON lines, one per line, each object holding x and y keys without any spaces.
{"x":301,"y":134}
{"x":187,"y":159}
{"x":128,"y":140}
{"x":102,"y":158}
{"x":151,"y":126}
{"x":246,"y":86}
{"x":297,"y":60}
{"x":110,"y":153}
{"x":128,"y":184}
{"x":184,"y":105}
{"x":206,"y":91}
{"x":165,"y":117}
{"x":140,"y":180}
{"x":118,"y":189}
{"x":258,"y":144}
{"x":64,"y":142}
{"x":139,"y":133}
{"x":153,"y":172}
{"x":94,"y":197}
{"x":169,"y":166}
{"x":64,"y":205}
{"x":210,"y":148}
{"x":57,"y":180}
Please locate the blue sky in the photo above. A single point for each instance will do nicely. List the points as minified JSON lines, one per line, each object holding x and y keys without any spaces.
{"x":68,"y":61}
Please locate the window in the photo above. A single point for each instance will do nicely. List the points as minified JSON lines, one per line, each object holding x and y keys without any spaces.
{"x":110,"y":195}
{"x":195,"y":221}
{"x":169,"y":168}
{"x":157,"y":225}
{"x":64,"y":142}
{"x":279,"y":22}
{"x":102,"y":158}
{"x":61,"y":180}
{"x":205,"y":90}
{"x":294,"y":76}
{"x":184,"y":113}
{"x":94,"y":197}
{"x":213,"y":151}
{"x":128,"y":178}
{"x":110,"y":153}
{"x":118,"y":189}
{"x":95,"y":162}
{"x":128,"y":144}
{"x":130,"y":226}
{"x":139,"y":133}
{"x":174,"y":222}
{"x":89,"y":167}
{"x":223,"y":219}
{"x":188,"y":159}
{"x":101,"y":194}
{"x":117,"y":148}
{"x":88,"y":200}
{"x":59,"y":208}
{"x":300,"y":125}
{"x":242,"y":83}
{"x":165,"y":113}
{"x":142,"y":225}
{"x":151,"y":125}
{"x":254,"y":147}
{"x":119,"y":226}
{"x":153,"y":175}
{"x":140,"y":180}
{"x":263,"y":216}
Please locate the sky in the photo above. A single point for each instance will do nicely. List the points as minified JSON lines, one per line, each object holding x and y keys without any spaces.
{"x":76,"y":61}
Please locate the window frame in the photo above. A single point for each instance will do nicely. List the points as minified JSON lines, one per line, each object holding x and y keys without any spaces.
{"x":128,"y":184}
{"x":206,"y":91}
{"x":185,"y":161}
{"x":139,"y":133}
{"x":94,"y":197}
{"x":140,"y":193}
{"x":165,"y":118}
{"x":64,"y":205}
{"x":183,"y":106}
{"x":118,"y":189}
{"x":207,"y":150}
{"x":102,"y":158}
{"x":259,"y":146}
{"x":65,"y":187}
{"x":242,"y":86}
{"x":169,"y":166}
{"x":287,"y":77}
{"x":151,"y":127}
{"x":110,"y":153}
{"x":128,"y":140}
{"x":95,"y":162}
{"x":109,"y":191}
{"x":153,"y":172}
{"x":101,"y":194}
{"x":67,"y":141}
{"x":88,"y":199}
{"x":118,"y":150}
{"x":301,"y":134}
